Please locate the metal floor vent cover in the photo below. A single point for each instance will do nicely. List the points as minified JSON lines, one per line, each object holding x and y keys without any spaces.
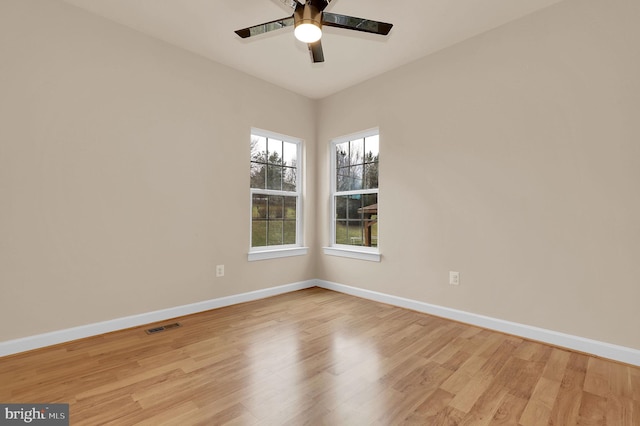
{"x":162,"y":328}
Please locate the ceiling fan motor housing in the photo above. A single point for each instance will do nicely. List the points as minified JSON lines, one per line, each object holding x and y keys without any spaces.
{"x":309,"y":14}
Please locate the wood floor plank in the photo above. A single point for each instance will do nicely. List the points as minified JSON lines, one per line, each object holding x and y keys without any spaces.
{"x":497,"y":358}
{"x":459,"y":379}
{"x":509,"y":411}
{"x":319,"y":357}
{"x":597,"y":378}
{"x":619,"y":410}
{"x":486,"y":406}
{"x":538,"y":409}
{"x":635,"y":385}
{"x":556,"y":365}
{"x":520,"y":377}
{"x":470,"y":393}
{"x":593,"y":410}
{"x":567,"y":404}
{"x":449,"y":416}
{"x":430,"y":407}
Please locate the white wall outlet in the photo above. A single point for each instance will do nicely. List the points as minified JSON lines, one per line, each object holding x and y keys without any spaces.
{"x":454,"y":278}
{"x":219,"y":270}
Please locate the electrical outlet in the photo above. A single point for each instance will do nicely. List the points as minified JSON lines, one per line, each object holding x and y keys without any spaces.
{"x":219,"y":270}
{"x":454,"y":278}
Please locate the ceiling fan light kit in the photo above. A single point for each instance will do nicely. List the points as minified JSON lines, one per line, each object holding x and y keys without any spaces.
{"x":308,"y":24}
{"x":308,"y":19}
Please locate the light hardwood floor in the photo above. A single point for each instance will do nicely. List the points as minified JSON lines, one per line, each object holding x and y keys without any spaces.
{"x":319,"y":357}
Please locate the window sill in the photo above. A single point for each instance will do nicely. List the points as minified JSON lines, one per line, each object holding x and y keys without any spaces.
{"x":277,"y":253}
{"x":353,"y":253}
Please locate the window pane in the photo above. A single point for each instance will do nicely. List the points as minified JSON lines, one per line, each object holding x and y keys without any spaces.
{"x":275,"y":151}
{"x":259,"y":207}
{"x":342,"y":155}
{"x":289,"y":232}
{"x":372,"y":148}
{"x":275,"y":233}
{"x":356,"y":177}
{"x":258,"y":172}
{"x":274,"y":177}
{"x":371,"y":176}
{"x":258,"y":233}
{"x":258,"y":148}
{"x":341,"y":207}
{"x":370,"y":203}
{"x":354,"y":207}
{"x":374,"y":234}
{"x":342,"y":179}
{"x":356,"y":152}
{"x":290,"y":154}
{"x":341,"y":232}
{"x":289,"y":179}
{"x":290,"y":208}
{"x":276,"y":207}
{"x":370,"y":223}
{"x":355,"y":233}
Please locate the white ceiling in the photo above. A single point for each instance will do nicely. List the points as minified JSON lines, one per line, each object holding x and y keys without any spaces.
{"x":206,"y":27}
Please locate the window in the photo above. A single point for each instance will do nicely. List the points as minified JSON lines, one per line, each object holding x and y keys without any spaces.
{"x":275,"y":182}
{"x":354,"y":196}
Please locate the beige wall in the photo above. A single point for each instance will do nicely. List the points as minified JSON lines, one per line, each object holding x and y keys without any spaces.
{"x":124,"y":172}
{"x":513,"y":158}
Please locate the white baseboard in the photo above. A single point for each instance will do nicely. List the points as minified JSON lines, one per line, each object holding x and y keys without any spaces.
{"x":581,"y":344}
{"x":47,"y":339}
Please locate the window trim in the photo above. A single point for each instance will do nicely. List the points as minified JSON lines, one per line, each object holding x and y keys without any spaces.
{"x":284,"y":250}
{"x":344,"y":250}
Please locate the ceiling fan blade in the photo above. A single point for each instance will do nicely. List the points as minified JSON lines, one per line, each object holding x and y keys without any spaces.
{"x":319,"y":4}
{"x":265,"y":28}
{"x":353,"y":23}
{"x":315,"y":51}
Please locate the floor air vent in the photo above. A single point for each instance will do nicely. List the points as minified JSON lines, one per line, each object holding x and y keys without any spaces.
{"x":155,"y":330}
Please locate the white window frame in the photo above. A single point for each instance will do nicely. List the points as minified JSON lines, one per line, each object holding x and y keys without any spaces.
{"x":343,"y":250}
{"x":284,"y":250}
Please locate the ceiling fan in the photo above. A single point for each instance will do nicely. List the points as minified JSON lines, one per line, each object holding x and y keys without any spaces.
{"x":308,"y":18}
